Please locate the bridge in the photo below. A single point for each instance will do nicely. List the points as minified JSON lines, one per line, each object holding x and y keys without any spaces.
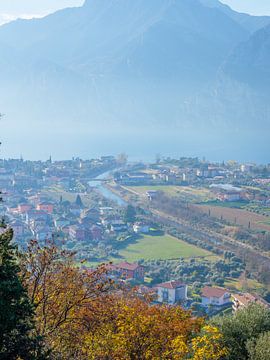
{"x":100,"y":180}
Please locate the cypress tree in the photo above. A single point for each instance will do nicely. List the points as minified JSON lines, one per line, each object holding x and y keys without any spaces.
{"x":18,"y":339}
{"x":79,"y":201}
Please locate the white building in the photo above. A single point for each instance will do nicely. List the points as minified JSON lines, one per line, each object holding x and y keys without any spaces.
{"x":215,"y":296}
{"x":140,"y":227}
{"x":171,"y":292}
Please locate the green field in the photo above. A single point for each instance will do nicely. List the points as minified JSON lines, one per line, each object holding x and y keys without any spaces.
{"x":55,"y":192}
{"x":160,"y":247}
{"x":186,"y":193}
{"x":247,"y":285}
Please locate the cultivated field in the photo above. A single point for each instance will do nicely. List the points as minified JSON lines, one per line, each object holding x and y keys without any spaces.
{"x":237,"y":216}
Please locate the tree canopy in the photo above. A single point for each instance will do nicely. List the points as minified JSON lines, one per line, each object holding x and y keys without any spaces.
{"x":18,"y":338}
{"x":242,"y":330}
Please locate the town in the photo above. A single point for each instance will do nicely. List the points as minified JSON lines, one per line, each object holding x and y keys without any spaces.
{"x":189,"y":231}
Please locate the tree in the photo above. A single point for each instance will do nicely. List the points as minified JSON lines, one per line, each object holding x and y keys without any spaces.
{"x":260,"y":349}
{"x":79,"y":201}
{"x":63,"y":295}
{"x":238,"y":330}
{"x":130,"y":214}
{"x":81,"y":316}
{"x":132,"y":329}
{"x":18,"y":338}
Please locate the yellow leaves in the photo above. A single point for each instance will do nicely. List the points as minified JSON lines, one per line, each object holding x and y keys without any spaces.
{"x":208,"y":345}
{"x":83,"y":318}
{"x":140,"y":331}
{"x":179,"y":348}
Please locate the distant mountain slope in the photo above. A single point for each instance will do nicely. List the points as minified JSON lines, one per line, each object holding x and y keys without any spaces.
{"x":129,"y":68}
{"x":250,"y":61}
{"x":248,"y":22}
{"x":108,"y":35}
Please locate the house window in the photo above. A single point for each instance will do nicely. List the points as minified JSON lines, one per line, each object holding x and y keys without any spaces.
{"x":165,"y":295}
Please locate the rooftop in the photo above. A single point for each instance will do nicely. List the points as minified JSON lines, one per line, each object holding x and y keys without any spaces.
{"x":127,"y":266}
{"x":247,"y":298}
{"x":173,"y":284}
{"x":209,"y":292}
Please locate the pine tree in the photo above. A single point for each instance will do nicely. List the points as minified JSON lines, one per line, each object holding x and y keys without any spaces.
{"x":18,"y":339}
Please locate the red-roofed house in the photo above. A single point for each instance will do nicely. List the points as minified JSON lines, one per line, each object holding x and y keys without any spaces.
{"x":215,"y":296}
{"x":24,"y":208}
{"x":130,"y":271}
{"x":171,"y":292}
{"x":45,"y":206}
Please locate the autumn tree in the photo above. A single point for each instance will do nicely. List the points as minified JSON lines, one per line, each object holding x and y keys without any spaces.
{"x":132,"y":329}
{"x":83,"y":315}
{"x":62,"y":294}
{"x":18,"y":338}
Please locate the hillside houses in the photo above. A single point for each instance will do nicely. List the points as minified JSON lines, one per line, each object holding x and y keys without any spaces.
{"x":128,"y":270}
{"x":215,"y":296}
{"x":171,"y":292}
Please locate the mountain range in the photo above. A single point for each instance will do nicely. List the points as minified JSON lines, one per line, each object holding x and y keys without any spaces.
{"x":144,"y":76}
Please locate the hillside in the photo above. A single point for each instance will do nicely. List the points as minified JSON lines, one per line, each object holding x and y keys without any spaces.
{"x":102,"y":72}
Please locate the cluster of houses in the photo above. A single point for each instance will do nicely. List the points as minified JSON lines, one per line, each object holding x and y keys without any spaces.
{"x":42,"y":219}
{"x":190,"y":171}
{"x":34,"y":215}
{"x":175,"y":292}
{"x":215,"y":178}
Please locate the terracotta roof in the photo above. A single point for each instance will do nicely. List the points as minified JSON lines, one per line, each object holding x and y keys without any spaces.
{"x":246,"y":298}
{"x":171,"y":284}
{"x":110,"y":267}
{"x":209,"y":292}
{"x":127,"y":266}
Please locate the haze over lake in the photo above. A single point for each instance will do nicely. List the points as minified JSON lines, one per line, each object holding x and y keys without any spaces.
{"x":187,"y":77}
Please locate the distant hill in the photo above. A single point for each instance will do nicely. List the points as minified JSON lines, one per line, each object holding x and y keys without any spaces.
{"x":113,"y":71}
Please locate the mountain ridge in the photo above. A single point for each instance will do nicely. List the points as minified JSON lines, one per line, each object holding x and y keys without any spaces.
{"x":114,"y":66}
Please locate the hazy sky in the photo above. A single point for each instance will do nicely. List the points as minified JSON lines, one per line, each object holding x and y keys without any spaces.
{"x":256,"y":7}
{"x":10,"y":9}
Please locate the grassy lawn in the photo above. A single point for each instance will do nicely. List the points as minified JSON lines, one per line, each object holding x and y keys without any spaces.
{"x":160,"y":247}
{"x":247,"y":285}
{"x":228,"y":204}
{"x":55,"y":193}
{"x":164,"y":247}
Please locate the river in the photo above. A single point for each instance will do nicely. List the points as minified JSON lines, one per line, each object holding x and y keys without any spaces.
{"x":107,"y":193}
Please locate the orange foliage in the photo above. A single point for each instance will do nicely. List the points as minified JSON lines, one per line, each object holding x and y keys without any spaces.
{"x":83,"y":316}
